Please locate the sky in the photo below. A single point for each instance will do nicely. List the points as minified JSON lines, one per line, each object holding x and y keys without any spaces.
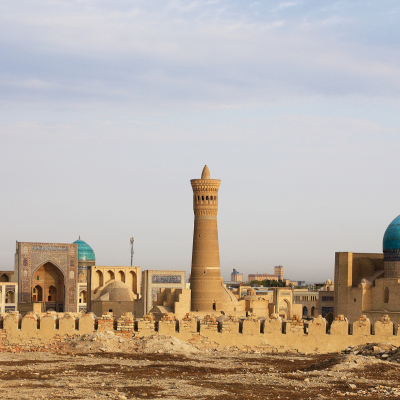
{"x":109,"y":108}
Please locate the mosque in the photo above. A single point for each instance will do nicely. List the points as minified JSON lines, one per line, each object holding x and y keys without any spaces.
{"x":63,"y":277}
{"x":369,"y":284}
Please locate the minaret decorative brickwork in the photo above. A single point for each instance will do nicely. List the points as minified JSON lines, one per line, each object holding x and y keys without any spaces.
{"x":205,"y":278}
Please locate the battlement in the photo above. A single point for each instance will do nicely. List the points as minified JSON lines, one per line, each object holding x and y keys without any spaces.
{"x":271,"y":334}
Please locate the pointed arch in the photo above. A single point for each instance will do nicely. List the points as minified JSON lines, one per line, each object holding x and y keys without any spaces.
{"x":121,"y":276}
{"x":83,"y":297}
{"x":49,"y":262}
{"x":10,"y":296}
{"x":109,"y":276}
{"x":98,"y":279}
{"x":48,"y":283}
{"x":37,"y":293}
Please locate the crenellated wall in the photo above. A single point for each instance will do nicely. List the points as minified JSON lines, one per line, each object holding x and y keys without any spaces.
{"x":265,"y":335}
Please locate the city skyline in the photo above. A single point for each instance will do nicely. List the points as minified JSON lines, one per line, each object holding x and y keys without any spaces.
{"x":109,"y":109}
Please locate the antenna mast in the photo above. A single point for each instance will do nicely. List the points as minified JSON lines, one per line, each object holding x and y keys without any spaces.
{"x":132,"y":241}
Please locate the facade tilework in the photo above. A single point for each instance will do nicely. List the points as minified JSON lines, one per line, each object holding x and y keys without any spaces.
{"x":38,"y":254}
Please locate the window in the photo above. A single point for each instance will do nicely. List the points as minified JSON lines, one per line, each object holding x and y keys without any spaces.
{"x":386,"y":295}
{"x":37,"y":277}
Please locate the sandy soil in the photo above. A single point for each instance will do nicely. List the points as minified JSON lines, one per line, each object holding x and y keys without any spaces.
{"x":104,"y":366}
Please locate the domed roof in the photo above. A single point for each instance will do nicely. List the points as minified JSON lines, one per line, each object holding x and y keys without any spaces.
{"x":117,"y":291}
{"x":391,"y":239}
{"x":85,"y":252}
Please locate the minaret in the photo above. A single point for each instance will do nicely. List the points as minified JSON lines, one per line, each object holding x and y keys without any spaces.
{"x":205,"y":278}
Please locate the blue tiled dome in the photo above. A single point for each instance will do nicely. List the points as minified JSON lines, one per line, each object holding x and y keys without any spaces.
{"x":391,"y":239}
{"x":85,"y":252}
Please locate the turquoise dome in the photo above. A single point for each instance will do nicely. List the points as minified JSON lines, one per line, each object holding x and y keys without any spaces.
{"x":85,"y":252}
{"x":391,"y":239}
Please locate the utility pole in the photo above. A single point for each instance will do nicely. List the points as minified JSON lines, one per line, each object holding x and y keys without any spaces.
{"x":132,"y":241}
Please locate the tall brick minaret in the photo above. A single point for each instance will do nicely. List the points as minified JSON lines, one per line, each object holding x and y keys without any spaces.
{"x":205,"y":278}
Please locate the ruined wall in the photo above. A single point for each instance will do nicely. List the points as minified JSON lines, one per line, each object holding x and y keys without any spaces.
{"x":266,"y":335}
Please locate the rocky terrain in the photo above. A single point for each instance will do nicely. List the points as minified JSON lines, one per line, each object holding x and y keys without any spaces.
{"x":105,"y":366}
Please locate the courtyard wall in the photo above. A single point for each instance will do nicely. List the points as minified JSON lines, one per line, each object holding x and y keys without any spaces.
{"x":259,"y":334}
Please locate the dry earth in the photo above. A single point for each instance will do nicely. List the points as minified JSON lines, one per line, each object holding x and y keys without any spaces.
{"x":104,"y":366}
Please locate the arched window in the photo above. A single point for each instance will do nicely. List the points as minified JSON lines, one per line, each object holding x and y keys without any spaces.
{"x":121,"y":276}
{"x":4,"y":278}
{"x":313,"y":311}
{"x":305,"y":310}
{"x":386,"y":295}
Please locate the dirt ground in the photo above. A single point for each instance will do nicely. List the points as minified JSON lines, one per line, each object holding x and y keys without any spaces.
{"x":164,"y":367}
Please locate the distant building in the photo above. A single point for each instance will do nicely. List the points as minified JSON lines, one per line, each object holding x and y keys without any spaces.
{"x":262,"y":277}
{"x":326,"y":301}
{"x":278,"y":271}
{"x":369,"y":283}
{"x":236,"y":276}
{"x":308,"y":299}
{"x":154,"y":281}
{"x":277,"y":276}
{"x":8,"y":292}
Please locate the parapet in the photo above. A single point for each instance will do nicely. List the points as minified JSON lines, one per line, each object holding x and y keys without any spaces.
{"x":209,"y":331}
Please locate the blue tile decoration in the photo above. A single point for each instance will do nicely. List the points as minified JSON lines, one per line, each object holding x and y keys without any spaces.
{"x":391,"y":239}
{"x":85,"y":252}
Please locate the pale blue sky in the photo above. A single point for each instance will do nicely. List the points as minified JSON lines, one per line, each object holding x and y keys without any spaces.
{"x":109,"y":108}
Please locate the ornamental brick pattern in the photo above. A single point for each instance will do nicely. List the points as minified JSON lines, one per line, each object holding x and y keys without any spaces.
{"x":64,"y":256}
{"x":205,"y":279}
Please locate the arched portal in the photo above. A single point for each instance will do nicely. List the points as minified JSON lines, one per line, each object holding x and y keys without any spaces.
{"x":37,"y":293}
{"x":49,"y":286}
{"x":4,"y":278}
{"x":52,"y":295}
{"x":121,"y":276}
{"x":83,"y":297}
{"x":10,"y":297}
{"x":284,"y":309}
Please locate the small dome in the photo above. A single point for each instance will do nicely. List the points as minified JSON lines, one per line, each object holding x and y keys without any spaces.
{"x":391,"y":238}
{"x":117,"y":291}
{"x":206,"y":173}
{"x":85,"y":252}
